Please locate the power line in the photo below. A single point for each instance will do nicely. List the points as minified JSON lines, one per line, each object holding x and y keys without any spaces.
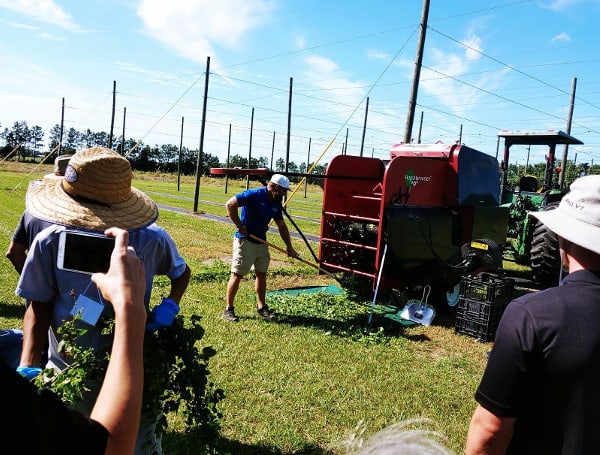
{"x":506,"y":65}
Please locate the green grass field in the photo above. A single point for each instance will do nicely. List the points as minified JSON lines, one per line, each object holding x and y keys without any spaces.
{"x":300,"y":384}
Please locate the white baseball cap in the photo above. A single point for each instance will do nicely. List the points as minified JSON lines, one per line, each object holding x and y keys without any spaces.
{"x":280,"y":180}
{"x":577,"y":217}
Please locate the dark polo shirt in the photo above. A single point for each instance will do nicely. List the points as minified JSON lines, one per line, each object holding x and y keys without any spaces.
{"x":544,"y":368}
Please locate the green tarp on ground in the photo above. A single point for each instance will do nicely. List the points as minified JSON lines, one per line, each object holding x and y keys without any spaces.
{"x":331,"y":289}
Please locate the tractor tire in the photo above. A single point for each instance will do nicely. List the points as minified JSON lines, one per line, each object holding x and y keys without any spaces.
{"x":545,"y":256}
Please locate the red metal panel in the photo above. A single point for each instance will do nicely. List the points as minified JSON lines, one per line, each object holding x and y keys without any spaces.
{"x":416,"y":181}
{"x":350,"y":217}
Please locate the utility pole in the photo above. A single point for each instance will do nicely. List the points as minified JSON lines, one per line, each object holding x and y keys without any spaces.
{"x":346,"y":143}
{"x":497,"y":146}
{"x":250,"y":148}
{"x":362,"y":142}
{"x":179,"y":156}
{"x":112,"y":117}
{"x":307,"y":166}
{"x":561,"y":177}
{"x":412,"y":103}
{"x":289,"y":126}
{"x":201,"y":145}
{"x":228,"y":155}
{"x":123,"y":136}
{"x":62,"y":125}
{"x":272,"y":151}
{"x":420,"y":129}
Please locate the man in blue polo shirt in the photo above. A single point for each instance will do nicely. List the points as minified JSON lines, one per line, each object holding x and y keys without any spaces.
{"x":259,"y":207}
{"x":539,"y":392}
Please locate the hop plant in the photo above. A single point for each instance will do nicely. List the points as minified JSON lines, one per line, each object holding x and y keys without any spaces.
{"x":175,"y":377}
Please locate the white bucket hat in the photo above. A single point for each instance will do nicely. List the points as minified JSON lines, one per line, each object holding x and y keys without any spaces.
{"x":577,"y":217}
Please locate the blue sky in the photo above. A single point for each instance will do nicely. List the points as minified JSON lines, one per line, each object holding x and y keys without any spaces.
{"x":487,"y":66}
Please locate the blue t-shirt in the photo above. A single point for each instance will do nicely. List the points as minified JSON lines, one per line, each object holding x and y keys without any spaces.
{"x":258,"y":211}
{"x":28,"y":228}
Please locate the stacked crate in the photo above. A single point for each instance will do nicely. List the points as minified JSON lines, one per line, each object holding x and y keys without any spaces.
{"x":482,"y":301}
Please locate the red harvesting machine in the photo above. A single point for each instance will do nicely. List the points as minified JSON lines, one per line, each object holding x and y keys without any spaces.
{"x":427,"y":216}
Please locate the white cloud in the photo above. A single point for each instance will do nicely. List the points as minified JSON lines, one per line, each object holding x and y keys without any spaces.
{"x":378,"y":55}
{"x":46,"y":11}
{"x":561,"y":5}
{"x":193,"y":28}
{"x":561,"y":37}
{"x":50,"y":37}
{"x":442,"y":80}
{"x":154,"y":76}
{"x":34,"y":94}
{"x":325,"y":74}
{"x":346,"y":98}
{"x":472,"y":48}
{"x":300,"y":42}
{"x":19,"y":25}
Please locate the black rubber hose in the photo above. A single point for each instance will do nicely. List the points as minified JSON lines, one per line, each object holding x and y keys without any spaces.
{"x":301,"y":235}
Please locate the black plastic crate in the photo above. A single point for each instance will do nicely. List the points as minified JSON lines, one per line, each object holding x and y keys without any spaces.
{"x":478,"y":319}
{"x":487,"y":287}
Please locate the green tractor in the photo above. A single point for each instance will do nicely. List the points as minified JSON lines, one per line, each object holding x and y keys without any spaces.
{"x":529,"y":242}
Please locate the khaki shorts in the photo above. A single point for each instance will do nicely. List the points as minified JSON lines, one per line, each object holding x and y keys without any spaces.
{"x":247,"y":254}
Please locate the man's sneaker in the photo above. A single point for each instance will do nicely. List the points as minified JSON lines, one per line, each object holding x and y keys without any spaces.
{"x":229,"y":315}
{"x":265,"y":313}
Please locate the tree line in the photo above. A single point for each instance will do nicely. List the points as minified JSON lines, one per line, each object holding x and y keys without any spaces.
{"x":25,"y":143}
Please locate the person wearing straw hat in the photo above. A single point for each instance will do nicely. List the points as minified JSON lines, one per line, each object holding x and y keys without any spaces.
{"x":95,"y":194}
{"x":540,"y":390}
{"x":26,"y":230}
{"x":259,"y":207}
{"x":29,"y":225}
{"x":39,"y":422}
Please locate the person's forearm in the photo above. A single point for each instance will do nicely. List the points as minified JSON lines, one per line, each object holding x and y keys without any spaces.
{"x":36,"y":323}
{"x":119,"y":402}
{"x":488,"y":434}
{"x":235,"y":219}
{"x":179,"y":285}
{"x":17,"y":260}
{"x":232,"y":211}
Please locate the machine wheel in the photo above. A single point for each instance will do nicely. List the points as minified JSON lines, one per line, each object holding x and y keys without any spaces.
{"x":545,"y":255}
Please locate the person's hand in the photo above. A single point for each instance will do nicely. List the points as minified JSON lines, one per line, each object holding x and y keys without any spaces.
{"x":243,"y":231}
{"x":163,"y":315}
{"x":292,"y":252}
{"x":29,"y":373}
{"x":124,"y":285}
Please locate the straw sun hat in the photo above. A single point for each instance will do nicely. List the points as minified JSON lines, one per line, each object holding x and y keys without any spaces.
{"x":94,"y":194}
{"x":577,"y":217}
